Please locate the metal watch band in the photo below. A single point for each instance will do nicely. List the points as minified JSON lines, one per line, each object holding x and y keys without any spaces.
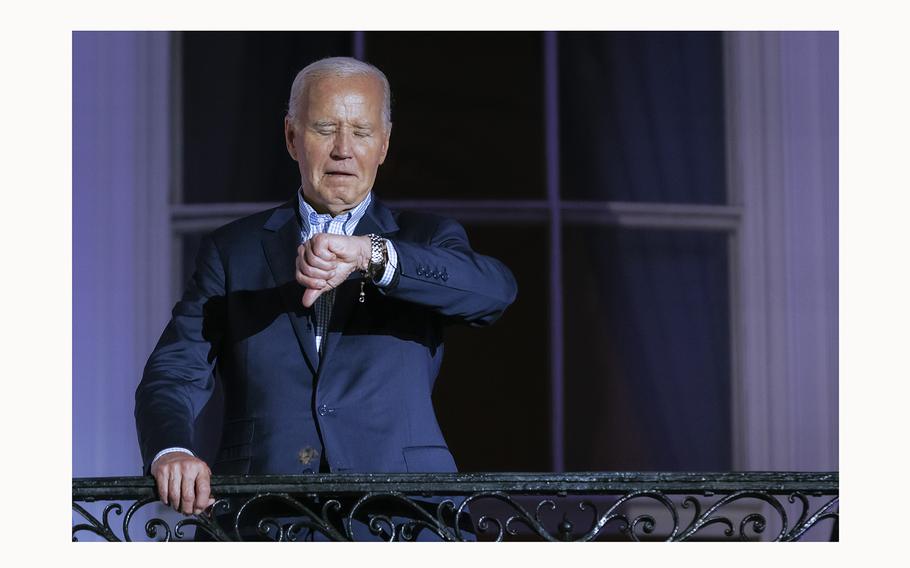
{"x":378,"y":256}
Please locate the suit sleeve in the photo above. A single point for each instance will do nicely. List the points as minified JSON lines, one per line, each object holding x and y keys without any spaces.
{"x":177,"y":380}
{"x":450,"y":278}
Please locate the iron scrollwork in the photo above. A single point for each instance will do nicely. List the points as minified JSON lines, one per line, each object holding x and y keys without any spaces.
{"x":342,"y":507}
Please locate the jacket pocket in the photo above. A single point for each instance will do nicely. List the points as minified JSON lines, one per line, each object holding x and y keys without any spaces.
{"x":428,"y":459}
{"x":236,"y":440}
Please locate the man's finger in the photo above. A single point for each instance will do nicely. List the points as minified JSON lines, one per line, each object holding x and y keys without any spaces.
{"x":313,"y":272}
{"x":187,"y":494}
{"x":311,"y":258}
{"x":319,"y":244}
{"x":203,"y":492}
{"x":173,"y":490}
{"x":161,"y":480}
{"x":314,"y":283}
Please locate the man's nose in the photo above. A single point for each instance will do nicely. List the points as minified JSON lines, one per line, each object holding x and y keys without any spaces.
{"x":341,"y":149}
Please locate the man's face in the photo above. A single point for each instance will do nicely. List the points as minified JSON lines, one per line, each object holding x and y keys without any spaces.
{"x":338,"y":141}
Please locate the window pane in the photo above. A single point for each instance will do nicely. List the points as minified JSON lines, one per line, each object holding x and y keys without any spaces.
{"x":467,"y":109}
{"x":492,"y":395}
{"x":642,"y":116}
{"x":235,"y":92}
{"x":647,"y":350}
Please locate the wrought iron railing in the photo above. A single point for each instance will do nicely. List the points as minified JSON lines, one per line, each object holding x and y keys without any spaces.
{"x":473,"y":506}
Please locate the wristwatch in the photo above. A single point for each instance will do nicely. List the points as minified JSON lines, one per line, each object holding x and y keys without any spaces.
{"x":379,"y":256}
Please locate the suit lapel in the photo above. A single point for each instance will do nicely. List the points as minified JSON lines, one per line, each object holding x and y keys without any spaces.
{"x":281,"y":252}
{"x":378,"y":220}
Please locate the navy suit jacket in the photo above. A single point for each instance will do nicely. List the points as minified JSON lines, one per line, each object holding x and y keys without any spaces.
{"x":365,"y":405}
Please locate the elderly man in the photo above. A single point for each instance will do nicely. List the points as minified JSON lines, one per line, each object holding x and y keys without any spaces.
{"x":323,"y":317}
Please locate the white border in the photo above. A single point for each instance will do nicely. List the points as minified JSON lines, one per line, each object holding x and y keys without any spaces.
{"x":36,"y":241}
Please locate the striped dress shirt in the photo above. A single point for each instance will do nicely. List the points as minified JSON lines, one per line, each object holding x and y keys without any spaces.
{"x":311,"y":223}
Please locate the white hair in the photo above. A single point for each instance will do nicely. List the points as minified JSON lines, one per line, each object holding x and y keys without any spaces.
{"x":338,"y":67}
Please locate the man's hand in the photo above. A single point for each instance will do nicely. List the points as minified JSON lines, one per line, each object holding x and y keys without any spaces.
{"x":183,"y":482}
{"x":326,"y":260}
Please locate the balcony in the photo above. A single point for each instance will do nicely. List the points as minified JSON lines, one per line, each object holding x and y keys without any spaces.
{"x":584,"y":506}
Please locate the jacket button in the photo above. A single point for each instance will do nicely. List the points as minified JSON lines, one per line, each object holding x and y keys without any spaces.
{"x":444,"y":276}
{"x":419,"y":271}
{"x":325,"y":410}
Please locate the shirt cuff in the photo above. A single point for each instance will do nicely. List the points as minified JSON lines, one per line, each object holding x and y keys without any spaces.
{"x":172,"y":450}
{"x":391,"y":266}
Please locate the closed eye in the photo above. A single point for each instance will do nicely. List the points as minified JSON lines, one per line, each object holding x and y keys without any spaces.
{"x":323,"y":128}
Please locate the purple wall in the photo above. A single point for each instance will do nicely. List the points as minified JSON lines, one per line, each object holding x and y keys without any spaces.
{"x":783,"y":144}
{"x":120,"y":186}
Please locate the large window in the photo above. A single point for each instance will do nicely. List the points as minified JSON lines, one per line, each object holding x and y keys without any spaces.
{"x":592,"y":164}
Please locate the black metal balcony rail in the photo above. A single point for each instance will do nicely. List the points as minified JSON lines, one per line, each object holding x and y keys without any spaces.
{"x":476,"y":506}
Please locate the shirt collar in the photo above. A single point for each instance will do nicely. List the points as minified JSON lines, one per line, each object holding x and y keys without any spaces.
{"x":313,"y":222}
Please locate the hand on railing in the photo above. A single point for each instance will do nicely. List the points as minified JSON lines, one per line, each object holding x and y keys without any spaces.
{"x":184,"y":482}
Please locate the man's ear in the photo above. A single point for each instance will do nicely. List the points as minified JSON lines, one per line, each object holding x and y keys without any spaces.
{"x":385,"y":145}
{"x":290,"y":139}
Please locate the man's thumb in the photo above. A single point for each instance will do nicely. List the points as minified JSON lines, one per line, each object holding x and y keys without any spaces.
{"x":309,"y":297}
